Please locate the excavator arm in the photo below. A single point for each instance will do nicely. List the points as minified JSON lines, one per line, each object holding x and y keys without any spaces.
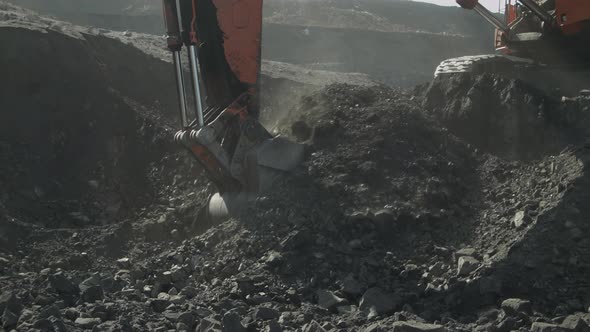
{"x":223,"y":38}
{"x":223,"y":42}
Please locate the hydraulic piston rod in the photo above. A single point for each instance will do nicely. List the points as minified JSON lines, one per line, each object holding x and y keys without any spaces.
{"x":194,"y":61}
{"x":177,"y":35}
{"x":490,"y":17}
{"x":538,"y":10}
{"x":178,"y":73}
{"x":174,"y":41}
{"x":485,"y":13}
{"x":193,"y":55}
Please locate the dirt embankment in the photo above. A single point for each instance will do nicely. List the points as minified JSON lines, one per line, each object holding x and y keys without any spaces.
{"x":85,"y":124}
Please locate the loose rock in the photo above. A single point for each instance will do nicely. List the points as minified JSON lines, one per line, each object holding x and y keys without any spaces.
{"x":313,"y":326}
{"x":209,"y":325}
{"x":520,"y":219}
{"x":416,"y":327}
{"x":8,"y":300}
{"x":264,"y":313}
{"x":159,"y":305}
{"x":517,"y":306}
{"x":375,"y":301}
{"x":351,"y":287}
{"x":87,"y":323}
{"x":546,"y":327}
{"x":62,"y":284}
{"x":328,"y":300}
{"x":232,"y":323}
{"x":467,"y":265}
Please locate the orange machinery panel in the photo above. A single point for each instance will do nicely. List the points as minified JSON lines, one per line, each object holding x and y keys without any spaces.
{"x":571,"y":14}
{"x":241,"y":23}
{"x":511,"y":15}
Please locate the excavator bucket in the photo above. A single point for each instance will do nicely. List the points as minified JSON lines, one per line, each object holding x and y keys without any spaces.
{"x":268,"y":163}
{"x":223,"y":39}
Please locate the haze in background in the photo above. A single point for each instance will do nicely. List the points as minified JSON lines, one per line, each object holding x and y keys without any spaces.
{"x":490,"y":4}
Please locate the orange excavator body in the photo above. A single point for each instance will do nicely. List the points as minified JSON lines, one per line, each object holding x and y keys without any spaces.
{"x":572,"y":15}
{"x":228,"y":36}
{"x":241,"y":23}
{"x":545,"y":31}
{"x":544,"y":42}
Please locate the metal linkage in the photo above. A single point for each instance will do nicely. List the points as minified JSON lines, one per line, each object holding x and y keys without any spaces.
{"x":490,"y":17}
{"x":194,"y":62}
{"x":538,"y":10}
{"x":189,"y":36}
{"x":174,"y":41}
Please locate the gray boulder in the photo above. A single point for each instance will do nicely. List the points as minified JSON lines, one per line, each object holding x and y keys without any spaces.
{"x":328,"y":300}
{"x":520,"y":219}
{"x":513,"y":307}
{"x":265,"y":313}
{"x":352,"y":287}
{"x":375,"y":327}
{"x":62,"y":284}
{"x":313,"y":326}
{"x":9,"y":319}
{"x":209,"y":324}
{"x":416,"y":327}
{"x":467,"y":264}
{"x":87,"y":323}
{"x":187,"y":318}
{"x":376,"y":301}
{"x":546,"y":327}
{"x":11,"y":301}
{"x":576,"y":323}
{"x":159,"y":305}
{"x":232,"y":323}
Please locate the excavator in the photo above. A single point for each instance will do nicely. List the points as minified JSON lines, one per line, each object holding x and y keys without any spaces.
{"x":539,"y":40}
{"x":219,"y":108}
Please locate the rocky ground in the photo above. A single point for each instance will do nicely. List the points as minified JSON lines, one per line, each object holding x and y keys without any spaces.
{"x":460,"y":205}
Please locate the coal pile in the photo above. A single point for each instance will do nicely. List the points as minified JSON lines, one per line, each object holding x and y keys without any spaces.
{"x":506,"y":116}
{"x":392,"y":223}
